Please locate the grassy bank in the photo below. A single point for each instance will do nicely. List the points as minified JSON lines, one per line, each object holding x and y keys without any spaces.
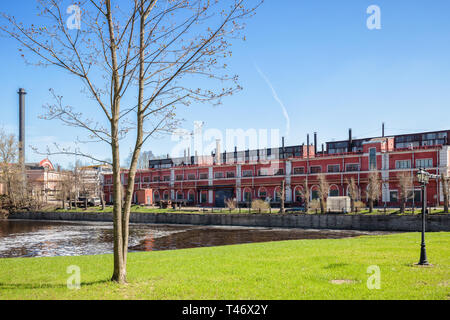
{"x":302,"y":269}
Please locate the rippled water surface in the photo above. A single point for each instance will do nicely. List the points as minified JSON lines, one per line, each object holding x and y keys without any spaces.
{"x":19,"y":238}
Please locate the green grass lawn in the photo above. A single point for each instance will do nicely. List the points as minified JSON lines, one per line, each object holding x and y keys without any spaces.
{"x":301,"y":269}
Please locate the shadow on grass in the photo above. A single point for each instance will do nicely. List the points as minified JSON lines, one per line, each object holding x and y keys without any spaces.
{"x":22,"y":286}
{"x":336,"y":265}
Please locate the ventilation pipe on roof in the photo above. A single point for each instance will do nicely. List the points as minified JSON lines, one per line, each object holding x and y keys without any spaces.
{"x":350,"y":140}
{"x":315,"y":142}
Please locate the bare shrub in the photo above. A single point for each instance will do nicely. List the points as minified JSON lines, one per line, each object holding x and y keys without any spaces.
{"x":231,"y":203}
{"x":260,"y":205}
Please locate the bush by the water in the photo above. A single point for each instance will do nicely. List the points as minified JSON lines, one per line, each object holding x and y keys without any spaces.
{"x":260,"y":205}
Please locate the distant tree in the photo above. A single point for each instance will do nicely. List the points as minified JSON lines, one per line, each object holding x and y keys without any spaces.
{"x":373,"y":189}
{"x":446,"y":191}
{"x":324,"y":188}
{"x":405,"y":185}
{"x":282,"y":196}
{"x":10,"y":173}
{"x":143,"y":160}
{"x":353,"y":192}
{"x":306,"y":195}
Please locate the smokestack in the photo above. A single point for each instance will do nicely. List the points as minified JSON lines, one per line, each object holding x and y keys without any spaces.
{"x":22,"y":94}
{"x":323,"y":149}
{"x":218,"y":155}
{"x":315,"y":142}
{"x":307,"y":145}
{"x":383,"y":130}
{"x":350,"y":140}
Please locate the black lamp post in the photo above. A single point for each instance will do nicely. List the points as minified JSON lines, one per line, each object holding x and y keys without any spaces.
{"x":424,"y":177}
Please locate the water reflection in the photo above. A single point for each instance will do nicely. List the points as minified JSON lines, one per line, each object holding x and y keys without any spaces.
{"x":20,"y":238}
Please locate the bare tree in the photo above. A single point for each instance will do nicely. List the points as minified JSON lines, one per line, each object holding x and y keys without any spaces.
{"x":306,"y":195}
{"x":324,"y":188}
{"x":146,"y":48}
{"x":64,"y":187}
{"x":143,"y":161}
{"x":282,"y":196}
{"x":405,"y":185}
{"x":353,"y":192}
{"x":10,"y":173}
{"x":445,"y":190}
{"x":373,"y":189}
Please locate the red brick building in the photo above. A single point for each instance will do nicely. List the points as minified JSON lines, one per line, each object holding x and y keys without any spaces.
{"x":252,"y":174}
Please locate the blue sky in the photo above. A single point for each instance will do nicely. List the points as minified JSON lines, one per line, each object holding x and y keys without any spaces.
{"x":329,"y":70}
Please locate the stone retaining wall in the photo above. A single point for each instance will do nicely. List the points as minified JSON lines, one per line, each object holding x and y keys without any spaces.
{"x":325,"y":221}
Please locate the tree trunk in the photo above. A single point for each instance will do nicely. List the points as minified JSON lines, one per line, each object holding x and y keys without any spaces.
{"x":322,"y":206}
{"x":370,"y":205}
{"x":402,"y":206}
{"x":282,"y":209}
{"x":352,"y":205}
{"x":102,"y":200}
{"x":120,"y":272}
{"x":445,"y":190}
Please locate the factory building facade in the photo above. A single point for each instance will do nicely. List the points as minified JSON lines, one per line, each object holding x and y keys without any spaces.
{"x":258,"y":174}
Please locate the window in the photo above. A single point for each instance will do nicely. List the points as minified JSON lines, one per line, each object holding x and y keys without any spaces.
{"x":180,"y":196}
{"x":315,"y":169}
{"x":191,"y":176}
{"x":146,"y":179}
{"x":203,"y":176}
{"x":179,"y":177}
{"x":394,"y":196}
{"x":334,"y":168}
{"x":372,"y":159}
{"x":315,"y":194}
{"x":166,"y":196}
{"x":352,"y":167}
{"x":204,"y":197}
{"x":247,"y":196}
{"x":191,"y":197}
{"x":263,"y":172}
{"x":403,"y":164}
{"x":166,"y":178}
{"x":278,"y":172}
{"x":263,"y":194}
{"x":299,"y":170}
{"x":334,"y":193}
{"x":298,"y":195}
{"x":247,"y":173}
{"x":156,"y":179}
{"x":424,"y":163}
{"x":218,"y":175}
{"x":230,"y":174}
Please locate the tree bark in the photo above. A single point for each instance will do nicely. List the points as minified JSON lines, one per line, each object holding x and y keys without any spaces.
{"x":445,"y":191}
{"x":370,"y":205}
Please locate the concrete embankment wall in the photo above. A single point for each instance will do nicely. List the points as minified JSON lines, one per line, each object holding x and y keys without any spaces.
{"x":325,"y":221}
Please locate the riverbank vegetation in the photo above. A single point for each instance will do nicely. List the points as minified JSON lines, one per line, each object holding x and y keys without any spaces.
{"x":304,"y":269}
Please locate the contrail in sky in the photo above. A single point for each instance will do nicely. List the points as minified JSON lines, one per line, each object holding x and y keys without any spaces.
{"x":275,"y":96}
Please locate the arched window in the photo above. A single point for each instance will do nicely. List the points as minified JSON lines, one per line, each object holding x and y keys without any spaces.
{"x":156,"y":196}
{"x":191,"y":196}
{"x":333,"y":191}
{"x":262,"y":193}
{"x":277,"y":194}
{"x":166,"y":195}
{"x":314,"y":192}
{"x":298,"y":194}
{"x":247,"y":195}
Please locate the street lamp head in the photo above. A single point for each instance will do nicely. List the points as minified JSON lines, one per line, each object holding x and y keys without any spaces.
{"x":423,"y":176}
